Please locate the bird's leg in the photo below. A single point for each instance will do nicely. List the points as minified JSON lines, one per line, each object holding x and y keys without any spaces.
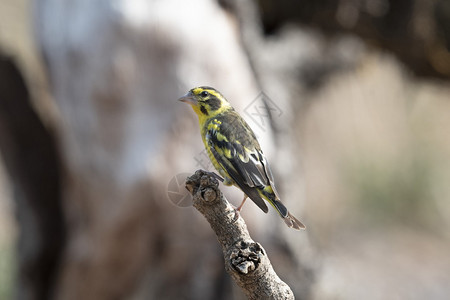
{"x":237,"y":210}
{"x":242,"y":204}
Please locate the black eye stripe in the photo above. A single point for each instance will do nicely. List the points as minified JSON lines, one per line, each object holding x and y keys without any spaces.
{"x":214,"y":103}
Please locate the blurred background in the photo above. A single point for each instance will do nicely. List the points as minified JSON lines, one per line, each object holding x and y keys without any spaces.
{"x":350,"y":99}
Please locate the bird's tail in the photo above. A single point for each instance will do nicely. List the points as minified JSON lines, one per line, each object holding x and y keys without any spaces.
{"x":290,"y":220}
{"x":293,"y":222}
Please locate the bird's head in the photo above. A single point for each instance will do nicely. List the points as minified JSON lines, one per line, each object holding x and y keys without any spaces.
{"x":206,"y":101}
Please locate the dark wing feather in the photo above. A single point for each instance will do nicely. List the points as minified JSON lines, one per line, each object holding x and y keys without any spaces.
{"x":251,"y":192}
{"x":268,"y":172}
{"x":246,"y":163}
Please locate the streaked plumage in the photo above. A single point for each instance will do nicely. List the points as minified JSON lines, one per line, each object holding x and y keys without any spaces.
{"x":234,"y":150}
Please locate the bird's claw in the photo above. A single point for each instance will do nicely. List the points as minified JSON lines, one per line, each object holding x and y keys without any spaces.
{"x":237,"y":213}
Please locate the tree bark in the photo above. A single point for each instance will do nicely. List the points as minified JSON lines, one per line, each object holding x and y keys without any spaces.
{"x":245,"y":260}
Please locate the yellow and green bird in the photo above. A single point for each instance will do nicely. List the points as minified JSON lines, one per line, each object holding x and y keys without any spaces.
{"x":234,"y":150}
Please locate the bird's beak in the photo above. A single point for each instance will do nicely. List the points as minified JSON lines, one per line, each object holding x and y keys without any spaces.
{"x":189,"y":99}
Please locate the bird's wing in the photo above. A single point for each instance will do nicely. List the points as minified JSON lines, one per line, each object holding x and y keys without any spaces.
{"x":239,"y":154}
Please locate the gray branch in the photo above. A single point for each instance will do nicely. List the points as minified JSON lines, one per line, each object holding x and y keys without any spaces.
{"x":245,"y":260}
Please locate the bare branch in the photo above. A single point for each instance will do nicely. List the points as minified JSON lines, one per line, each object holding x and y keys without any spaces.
{"x":245,"y":260}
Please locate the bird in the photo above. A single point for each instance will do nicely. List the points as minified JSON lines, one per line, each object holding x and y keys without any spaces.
{"x":235,"y":151}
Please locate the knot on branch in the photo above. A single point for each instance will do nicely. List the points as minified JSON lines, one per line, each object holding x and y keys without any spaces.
{"x":245,"y":257}
{"x":203,"y":184}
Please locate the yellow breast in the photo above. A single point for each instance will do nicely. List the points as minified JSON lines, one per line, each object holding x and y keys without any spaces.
{"x":215,"y":125}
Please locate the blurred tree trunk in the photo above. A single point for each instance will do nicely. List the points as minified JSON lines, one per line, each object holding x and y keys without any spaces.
{"x":32,"y":161}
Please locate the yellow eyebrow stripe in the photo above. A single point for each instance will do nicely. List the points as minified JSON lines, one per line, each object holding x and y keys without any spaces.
{"x":212,"y":92}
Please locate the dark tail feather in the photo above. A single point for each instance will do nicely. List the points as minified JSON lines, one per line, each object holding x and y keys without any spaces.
{"x":290,"y":220}
{"x":282,"y":210}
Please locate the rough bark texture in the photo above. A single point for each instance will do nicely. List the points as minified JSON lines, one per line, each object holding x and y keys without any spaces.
{"x":245,"y":260}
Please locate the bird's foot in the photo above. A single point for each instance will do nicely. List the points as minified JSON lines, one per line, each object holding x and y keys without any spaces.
{"x":237,"y":213}
{"x":237,"y":210}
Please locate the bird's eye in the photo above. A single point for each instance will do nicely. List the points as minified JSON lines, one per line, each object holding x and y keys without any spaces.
{"x":204,"y":94}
